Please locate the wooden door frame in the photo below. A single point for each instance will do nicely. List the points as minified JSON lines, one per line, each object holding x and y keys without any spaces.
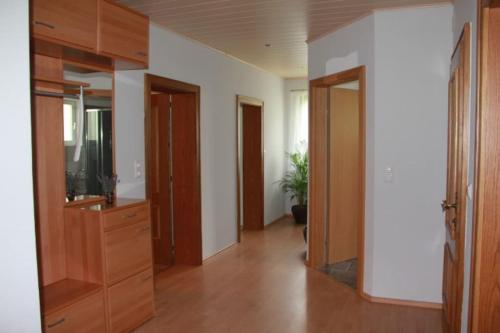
{"x":484,"y":203}
{"x":245,"y":100}
{"x":317,"y":192}
{"x":157,"y":83}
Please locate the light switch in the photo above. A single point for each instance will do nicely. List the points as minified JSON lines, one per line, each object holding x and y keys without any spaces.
{"x":388,"y":174}
{"x":137,"y":169}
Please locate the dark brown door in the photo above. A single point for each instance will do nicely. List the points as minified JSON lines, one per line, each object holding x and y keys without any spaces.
{"x":159,"y":183}
{"x":185,"y":165}
{"x":253,"y":181}
{"x":456,"y":188}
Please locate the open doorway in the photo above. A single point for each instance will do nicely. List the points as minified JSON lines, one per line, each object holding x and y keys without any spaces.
{"x":337,"y":176}
{"x":343,"y":179}
{"x":250,"y":164}
{"x":173,"y":171}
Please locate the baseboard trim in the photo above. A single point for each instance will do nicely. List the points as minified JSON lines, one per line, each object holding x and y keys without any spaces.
{"x":401,"y":302}
{"x":219,"y":252}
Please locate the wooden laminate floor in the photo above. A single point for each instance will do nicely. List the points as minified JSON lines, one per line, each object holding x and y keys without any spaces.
{"x":262,"y":285}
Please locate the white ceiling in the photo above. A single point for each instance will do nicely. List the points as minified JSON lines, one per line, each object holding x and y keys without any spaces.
{"x":242,"y":28}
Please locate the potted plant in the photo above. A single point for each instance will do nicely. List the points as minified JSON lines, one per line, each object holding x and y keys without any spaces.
{"x":295,"y":182}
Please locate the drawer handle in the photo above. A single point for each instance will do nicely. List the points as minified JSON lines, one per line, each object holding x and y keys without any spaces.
{"x":129,"y":216}
{"x":142,"y":54}
{"x":47,"y":25}
{"x":59,"y":322}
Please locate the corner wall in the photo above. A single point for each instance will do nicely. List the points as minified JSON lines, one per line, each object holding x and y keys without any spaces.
{"x":407,"y":54}
{"x":221,"y":78}
{"x":350,"y":47}
{"x":19,"y":302}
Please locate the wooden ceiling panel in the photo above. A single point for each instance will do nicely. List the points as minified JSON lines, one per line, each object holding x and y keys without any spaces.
{"x":242,"y":28}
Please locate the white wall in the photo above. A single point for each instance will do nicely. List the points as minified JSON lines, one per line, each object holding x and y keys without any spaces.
{"x":289,"y":86}
{"x":220,"y":78}
{"x":466,"y":11}
{"x":19,"y":301}
{"x":407,"y":54}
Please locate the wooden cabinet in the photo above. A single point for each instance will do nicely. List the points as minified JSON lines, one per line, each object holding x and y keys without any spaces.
{"x":67,"y":22}
{"x":111,"y":245}
{"x":131,"y":302}
{"x":122,"y":32}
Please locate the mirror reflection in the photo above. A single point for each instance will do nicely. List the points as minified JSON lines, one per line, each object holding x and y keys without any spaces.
{"x":88,"y":133}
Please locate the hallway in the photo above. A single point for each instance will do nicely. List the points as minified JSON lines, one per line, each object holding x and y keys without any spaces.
{"x":262,"y":285}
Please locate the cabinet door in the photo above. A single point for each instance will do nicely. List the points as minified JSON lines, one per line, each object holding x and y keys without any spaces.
{"x":123,"y":32}
{"x":131,"y":302}
{"x":69,"y":22}
{"x":127,"y":251}
{"x":85,"y":316}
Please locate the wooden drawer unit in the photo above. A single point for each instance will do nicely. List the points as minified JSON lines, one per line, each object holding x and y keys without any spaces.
{"x":67,"y":22}
{"x":125,"y":217}
{"x":84,"y":316}
{"x":127,"y":250}
{"x":110,"y":245}
{"x":131,"y":302}
{"x":122,"y":32}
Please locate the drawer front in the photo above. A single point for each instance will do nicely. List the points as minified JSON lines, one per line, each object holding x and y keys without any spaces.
{"x":127,"y":251}
{"x":84,"y":316}
{"x":67,"y":21}
{"x":123,"y":32}
{"x":131,"y":302}
{"x":125,"y":217}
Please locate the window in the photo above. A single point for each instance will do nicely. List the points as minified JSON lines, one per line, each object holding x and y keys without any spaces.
{"x":298,"y":121}
{"x":69,"y":109}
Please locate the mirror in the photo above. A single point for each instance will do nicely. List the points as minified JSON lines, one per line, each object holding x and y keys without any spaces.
{"x":88,"y":132}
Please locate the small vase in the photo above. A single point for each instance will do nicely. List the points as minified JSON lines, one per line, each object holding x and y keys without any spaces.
{"x":70,"y":196}
{"x":110,"y":198}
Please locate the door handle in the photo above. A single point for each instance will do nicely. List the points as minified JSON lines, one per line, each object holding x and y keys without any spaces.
{"x":445,"y":205}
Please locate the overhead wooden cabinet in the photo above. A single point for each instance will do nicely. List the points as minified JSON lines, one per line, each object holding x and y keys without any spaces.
{"x":68,"y":22}
{"x":122,"y":33}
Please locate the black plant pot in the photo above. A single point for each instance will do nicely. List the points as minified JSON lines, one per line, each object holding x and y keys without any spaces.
{"x":299,"y":213}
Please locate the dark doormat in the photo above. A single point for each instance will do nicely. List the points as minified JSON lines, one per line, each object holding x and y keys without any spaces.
{"x":344,"y":271}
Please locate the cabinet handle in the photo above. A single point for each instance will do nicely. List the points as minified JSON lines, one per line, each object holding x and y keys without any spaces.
{"x":47,"y":25}
{"x":142,"y":54}
{"x":143,"y":229}
{"x":129,"y":216}
{"x":59,"y":322}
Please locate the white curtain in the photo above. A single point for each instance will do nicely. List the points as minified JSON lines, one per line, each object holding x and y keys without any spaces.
{"x":298,"y":121}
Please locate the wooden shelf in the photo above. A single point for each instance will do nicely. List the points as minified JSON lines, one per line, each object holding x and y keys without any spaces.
{"x":92,"y":92}
{"x":60,"y":294}
{"x":65,"y":83}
